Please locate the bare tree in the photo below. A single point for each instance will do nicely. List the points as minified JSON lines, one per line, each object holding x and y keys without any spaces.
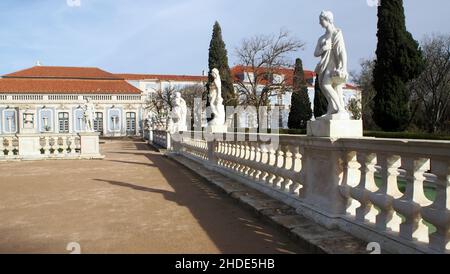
{"x":263,"y":56}
{"x":192,"y":92}
{"x":193,"y":95}
{"x":161,"y":103}
{"x":364,"y":81}
{"x":432,"y":88}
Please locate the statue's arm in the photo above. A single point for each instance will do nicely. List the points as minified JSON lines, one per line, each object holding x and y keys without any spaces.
{"x":319,"y":51}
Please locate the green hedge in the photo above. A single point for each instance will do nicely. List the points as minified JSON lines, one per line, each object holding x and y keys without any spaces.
{"x":406,"y":135}
{"x":377,"y":134}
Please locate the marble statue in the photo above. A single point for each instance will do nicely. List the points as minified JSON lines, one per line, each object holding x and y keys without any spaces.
{"x":332,"y":68}
{"x":177,"y":121}
{"x":216,"y":100}
{"x":88,"y":115}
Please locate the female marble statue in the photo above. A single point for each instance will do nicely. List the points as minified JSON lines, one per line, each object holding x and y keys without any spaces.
{"x":216,"y":100}
{"x":179,"y":114}
{"x":332,"y":68}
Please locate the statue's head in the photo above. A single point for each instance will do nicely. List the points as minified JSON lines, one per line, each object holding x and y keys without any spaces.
{"x":326,"y":18}
{"x":177,"y":94}
{"x":215,"y":72}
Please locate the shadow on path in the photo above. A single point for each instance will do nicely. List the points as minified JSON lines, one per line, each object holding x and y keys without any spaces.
{"x":231,"y":228}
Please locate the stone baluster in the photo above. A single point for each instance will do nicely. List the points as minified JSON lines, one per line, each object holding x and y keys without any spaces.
{"x":270,"y":166}
{"x":219,"y":152}
{"x":223,"y":154}
{"x":296,"y":170}
{"x":351,"y":179}
{"x":258,"y":161}
{"x":247,"y":159}
{"x":411,"y":203}
{"x":366,"y":211}
{"x":383,"y":198}
{"x":70,"y":145}
{"x":65,"y":144}
{"x":252,"y":168}
{"x":7,"y":146}
{"x":242,"y":157}
{"x":280,"y":181}
{"x":2,"y":147}
{"x":78,"y":144}
{"x":237,"y":153}
{"x":265,"y":158}
{"x":229,"y":156}
{"x":47,"y":146}
{"x":438,"y":213}
{"x":62,"y":145}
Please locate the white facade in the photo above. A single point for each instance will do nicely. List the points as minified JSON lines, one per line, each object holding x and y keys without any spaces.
{"x":115,"y":115}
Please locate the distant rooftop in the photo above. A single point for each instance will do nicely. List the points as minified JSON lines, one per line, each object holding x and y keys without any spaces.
{"x":178,"y":78}
{"x":63,"y":72}
{"x":64,"y":80}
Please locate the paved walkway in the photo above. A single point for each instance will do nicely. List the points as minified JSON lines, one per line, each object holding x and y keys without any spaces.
{"x":134,"y":201}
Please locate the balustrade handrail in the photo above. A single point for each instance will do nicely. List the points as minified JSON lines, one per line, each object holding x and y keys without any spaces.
{"x":351,"y":182}
{"x":35,"y":146}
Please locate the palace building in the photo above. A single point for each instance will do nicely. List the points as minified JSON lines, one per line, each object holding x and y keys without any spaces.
{"x":45,"y":99}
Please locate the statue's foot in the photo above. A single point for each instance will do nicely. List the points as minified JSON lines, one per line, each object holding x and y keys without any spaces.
{"x":325,"y":117}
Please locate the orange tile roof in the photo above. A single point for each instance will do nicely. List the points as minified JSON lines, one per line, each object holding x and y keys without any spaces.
{"x":177,"y":78}
{"x":65,"y":86}
{"x":62,"y":72}
{"x":287,"y":72}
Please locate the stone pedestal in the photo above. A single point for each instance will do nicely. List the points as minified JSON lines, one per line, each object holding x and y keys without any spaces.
{"x":217,"y":129}
{"x":336,"y":128}
{"x":29,"y":146}
{"x":90,"y":145}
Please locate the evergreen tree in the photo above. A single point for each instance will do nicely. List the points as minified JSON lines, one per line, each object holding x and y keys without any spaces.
{"x":320,"y":102}
{"x":218,"y":58}
{"x":399,"y":60}
{"x":301,"y":111}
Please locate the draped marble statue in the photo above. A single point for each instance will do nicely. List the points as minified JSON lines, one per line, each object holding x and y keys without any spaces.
{"x":216,"y":100}
{"x":177,"y":121}
{"x":332,"y":68}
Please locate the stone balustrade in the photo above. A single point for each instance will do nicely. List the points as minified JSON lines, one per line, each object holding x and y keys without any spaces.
{"x":49,"y":146}
{"x":68,"y":98}
{"x":375,"y":189}
{"x":160,"y":138}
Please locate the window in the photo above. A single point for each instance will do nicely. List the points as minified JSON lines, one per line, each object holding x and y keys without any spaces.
{"x":98,"y":122}
{"x":279,"y":99}
{"x":131,"y":123}
{"x":63,"y":121}
{"x":47,"y":123}
{"x":9,"y":121}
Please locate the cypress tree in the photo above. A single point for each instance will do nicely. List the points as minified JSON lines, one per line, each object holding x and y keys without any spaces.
{"x":218,"y":58}
{"x":301,"y":111}
{"x":399,"y":60}
{"x":320,"y":102}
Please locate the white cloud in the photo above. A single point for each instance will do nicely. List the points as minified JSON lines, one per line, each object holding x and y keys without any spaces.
{"x":73,"y":3}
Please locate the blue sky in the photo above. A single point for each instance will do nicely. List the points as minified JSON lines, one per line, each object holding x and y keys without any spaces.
{"x":172,"y":36}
